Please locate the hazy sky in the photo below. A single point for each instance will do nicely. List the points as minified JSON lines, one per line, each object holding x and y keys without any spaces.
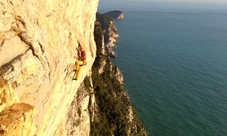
{"x":195,"y":1}
{"x":162,"y":5}
{"x":181,"y":1}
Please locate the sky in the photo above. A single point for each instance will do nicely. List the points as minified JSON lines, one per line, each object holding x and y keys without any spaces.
{"x":162,"y":5}
{"x":196,"y":1}
{"x":181,"y":1}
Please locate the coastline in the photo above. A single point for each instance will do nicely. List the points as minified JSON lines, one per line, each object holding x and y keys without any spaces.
{"x":114,"y":107}
{"x":110,"y":33}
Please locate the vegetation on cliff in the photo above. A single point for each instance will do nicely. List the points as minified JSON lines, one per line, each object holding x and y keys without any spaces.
{"x":114,"y":107}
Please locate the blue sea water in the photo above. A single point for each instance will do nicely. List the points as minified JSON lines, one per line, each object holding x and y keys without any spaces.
{"x":173,"y":57}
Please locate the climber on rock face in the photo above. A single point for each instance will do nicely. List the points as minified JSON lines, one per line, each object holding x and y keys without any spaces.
{"x":80,"y":62}
{"x":82,"y":54}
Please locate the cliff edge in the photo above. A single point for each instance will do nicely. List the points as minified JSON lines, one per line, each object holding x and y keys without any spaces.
{"x":114,"y":113}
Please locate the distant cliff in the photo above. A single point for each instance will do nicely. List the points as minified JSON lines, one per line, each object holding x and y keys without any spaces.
{"x":110,"y":32}
{"x":116,"y":14}
{"x":109,"y":29}
{"x":115,"y":115}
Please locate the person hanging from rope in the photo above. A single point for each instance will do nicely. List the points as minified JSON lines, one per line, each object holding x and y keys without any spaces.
{"x":80,"y":62}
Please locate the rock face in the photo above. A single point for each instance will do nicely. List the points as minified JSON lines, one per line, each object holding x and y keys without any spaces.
{"x":110,"y":32}
{"x":7,"y":96}
{"x":16,"y":119}
{"x":115,"y":115}
{"x":38,"y":41}
{"x":116,"y":14}
{"x":118,"y":74}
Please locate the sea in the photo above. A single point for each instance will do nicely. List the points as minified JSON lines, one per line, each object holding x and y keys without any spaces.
{"x":173,"y":56}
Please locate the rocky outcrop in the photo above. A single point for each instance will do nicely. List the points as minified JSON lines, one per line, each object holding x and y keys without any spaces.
{"x":16,"y":119}
{"x":118,"y":74}
{"x":110,"y":32}
{"x":7,"y":96}
{"x":109,"y":29}
{"x":38,"y":41}
{"x":116,"y":14}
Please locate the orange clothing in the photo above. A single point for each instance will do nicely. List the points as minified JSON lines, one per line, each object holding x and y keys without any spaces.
{"x":83,"y":56}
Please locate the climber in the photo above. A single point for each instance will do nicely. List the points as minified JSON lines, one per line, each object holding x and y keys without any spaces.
{"x":80,"y":62}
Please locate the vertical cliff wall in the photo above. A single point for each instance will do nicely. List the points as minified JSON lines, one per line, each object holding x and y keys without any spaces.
{"x":114,"y":114}
{"x":38,"y":41}
{"x":110,"y":32}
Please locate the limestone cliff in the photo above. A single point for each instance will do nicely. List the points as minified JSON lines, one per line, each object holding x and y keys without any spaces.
{"x":38,"y":41}
{"x":114,"y":114}
{"x":110,"y":32}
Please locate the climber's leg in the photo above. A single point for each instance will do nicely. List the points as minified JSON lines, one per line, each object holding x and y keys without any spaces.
{"x":77,"y":73}
{"x":77,"y":66}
